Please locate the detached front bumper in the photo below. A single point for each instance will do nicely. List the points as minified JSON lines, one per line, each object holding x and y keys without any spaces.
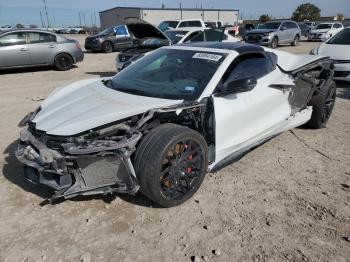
{"x":90,"y":171}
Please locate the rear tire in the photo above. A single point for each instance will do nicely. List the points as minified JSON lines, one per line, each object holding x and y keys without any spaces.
{"x":107,"y":47}
{"x":170,"y":163}
{"x":63,"y":62}
{"x":322,"y":105}
{"x":295,"y":41}
{"x":274,"y":43}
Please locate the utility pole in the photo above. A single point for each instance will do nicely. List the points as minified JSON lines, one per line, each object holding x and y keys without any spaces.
{"x":84,"y":20}
{"x":92,"y":22}
{"x":47,"y":17}
{"x":42,"y":21}
{"x":79,"y":19}
{"x":95,"y":18}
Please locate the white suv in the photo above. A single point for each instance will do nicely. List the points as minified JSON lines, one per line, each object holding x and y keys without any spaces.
{"x":172,"y":24}
{"x":324,"y":31}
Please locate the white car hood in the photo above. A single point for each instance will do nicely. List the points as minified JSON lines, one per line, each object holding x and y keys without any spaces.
{"x":335,"y":52}
{"x":319,"y":31}
{"x":88,"y":104}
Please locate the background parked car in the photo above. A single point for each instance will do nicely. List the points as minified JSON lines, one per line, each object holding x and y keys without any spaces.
{"x":244,"y":29}
{"x":213,"y":24}
{"x":29,"y":47}
{"x":324,"y":31}
{"x":171,"y":24}
{"x":133,"y":32}
{"x":274,"y":33}
{"x":305,"y":29}
{"x":177,"y":36}
{"x":338,"y":49}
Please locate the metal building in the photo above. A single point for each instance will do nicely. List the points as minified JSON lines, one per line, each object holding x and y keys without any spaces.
{"x":115,"y":16}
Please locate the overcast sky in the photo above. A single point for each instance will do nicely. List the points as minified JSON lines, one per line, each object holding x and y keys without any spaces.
{"x":66,"y":12}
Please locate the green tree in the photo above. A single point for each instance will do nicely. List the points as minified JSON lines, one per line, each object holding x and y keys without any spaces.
{"x":264,"y":18}
{"x":306,"y":12}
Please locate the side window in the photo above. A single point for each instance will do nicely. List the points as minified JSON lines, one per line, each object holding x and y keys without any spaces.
{"x":35,"y":38}
{"x":194,"y":23}
{"x":284,"y":25}
{"x":198,"y":38}
{"x":250,"y":65}
{"x":337,"y":26}
{"x":121,"y":31}
{"x":293,"y":25}
{"x":194,"y":34}
{"x":183,"y":24}
{"x":19,"y":38}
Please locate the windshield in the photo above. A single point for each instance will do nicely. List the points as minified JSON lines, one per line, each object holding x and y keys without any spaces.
{"x":175,"y":36}
{"x":107,"y":31}
{"x":270,"y":25}
{"x":169,"y":73}
{"x":324,"y":26}
{"x":342,"y":38}
{"x":154,"y":42}
{"x":166,"y":25}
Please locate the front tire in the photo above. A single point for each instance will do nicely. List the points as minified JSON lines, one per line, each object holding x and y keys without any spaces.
{"x":170,"y":163}
{"x":295,"y":41}
{"x":107,"y":47}
{"x":274,"y":43}
{"x":63,"y":62}
{"x":322,"y":105}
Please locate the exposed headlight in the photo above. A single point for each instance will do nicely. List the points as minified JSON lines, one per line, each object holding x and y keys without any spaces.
{"x":314,"y":51}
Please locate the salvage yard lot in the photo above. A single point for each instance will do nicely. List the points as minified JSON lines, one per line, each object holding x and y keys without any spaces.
{"x":287,"y":200}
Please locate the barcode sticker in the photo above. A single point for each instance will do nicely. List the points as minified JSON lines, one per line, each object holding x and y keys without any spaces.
{"x":207,"y":56}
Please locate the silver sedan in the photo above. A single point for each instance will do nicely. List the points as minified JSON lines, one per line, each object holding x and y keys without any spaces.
{"x":28,"y":47}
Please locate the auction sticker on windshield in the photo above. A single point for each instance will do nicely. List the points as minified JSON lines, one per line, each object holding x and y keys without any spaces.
{"x":207,"y":56}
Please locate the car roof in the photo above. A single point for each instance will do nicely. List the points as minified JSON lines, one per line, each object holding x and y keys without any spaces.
{"x":234,"y":46}
{"x":27,"y":30}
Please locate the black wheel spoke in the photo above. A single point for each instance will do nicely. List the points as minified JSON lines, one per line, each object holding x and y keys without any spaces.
{"x":182,"y":166}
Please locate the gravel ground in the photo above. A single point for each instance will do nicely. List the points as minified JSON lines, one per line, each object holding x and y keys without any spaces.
{"x":287,"y":200}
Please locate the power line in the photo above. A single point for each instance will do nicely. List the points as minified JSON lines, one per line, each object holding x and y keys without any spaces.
{"x":47,"y":17}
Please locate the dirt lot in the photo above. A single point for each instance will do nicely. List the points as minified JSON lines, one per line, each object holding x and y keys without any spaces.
{"x":287,"y":200}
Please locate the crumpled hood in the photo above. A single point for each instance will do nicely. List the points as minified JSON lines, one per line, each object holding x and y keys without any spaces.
{"x":88,"y":104}
{"x":261,"y":31}
{"x":142,"y":29}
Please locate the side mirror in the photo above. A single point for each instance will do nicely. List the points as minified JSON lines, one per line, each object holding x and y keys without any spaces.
{"x":283,"y":28}
{"x":239,"y":85}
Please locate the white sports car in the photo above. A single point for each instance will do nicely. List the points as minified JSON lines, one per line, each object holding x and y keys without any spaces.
{"x":159,"y":125}
{"x":338,"y":49}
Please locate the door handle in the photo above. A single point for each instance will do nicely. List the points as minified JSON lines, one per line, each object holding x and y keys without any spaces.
{"x":52,"y":46}
{"x":23,"y":49}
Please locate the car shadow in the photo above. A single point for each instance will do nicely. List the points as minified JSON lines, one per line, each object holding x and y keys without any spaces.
{"x":30,"y":70}
{"x":102,"y":74}
{"x":13,"y":172}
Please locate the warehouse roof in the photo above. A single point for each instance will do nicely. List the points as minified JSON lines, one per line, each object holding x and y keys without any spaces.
{"x":183,"y":9}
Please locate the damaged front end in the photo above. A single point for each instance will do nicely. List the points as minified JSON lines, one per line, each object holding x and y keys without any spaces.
{"x":94,"y":163}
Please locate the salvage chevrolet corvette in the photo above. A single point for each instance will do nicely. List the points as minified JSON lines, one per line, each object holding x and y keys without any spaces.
{"x":159,"y":125}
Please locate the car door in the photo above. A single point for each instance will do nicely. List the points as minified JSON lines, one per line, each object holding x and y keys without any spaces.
{"x":245,"y":118}
{"x":283,"y":33}
{"x":122,"y":37}
{"x":42,"y":47}
{"x":14,"y":50}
